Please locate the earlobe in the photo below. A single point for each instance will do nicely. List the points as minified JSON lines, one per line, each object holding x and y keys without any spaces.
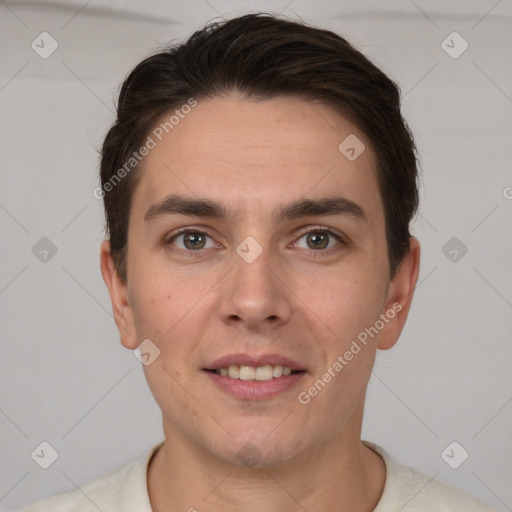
{"x":117,"y":289}
{"x":400,"y":294}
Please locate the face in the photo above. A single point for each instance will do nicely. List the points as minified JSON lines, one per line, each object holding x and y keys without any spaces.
{"x":287,"y":278}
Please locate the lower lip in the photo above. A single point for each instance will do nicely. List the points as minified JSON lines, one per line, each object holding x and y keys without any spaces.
{"x":255,"y":389}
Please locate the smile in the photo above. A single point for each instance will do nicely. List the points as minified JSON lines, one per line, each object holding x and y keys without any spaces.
{"x":265,"y":372}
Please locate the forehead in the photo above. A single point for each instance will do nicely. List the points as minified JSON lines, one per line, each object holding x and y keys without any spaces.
{"x":250,"y":155}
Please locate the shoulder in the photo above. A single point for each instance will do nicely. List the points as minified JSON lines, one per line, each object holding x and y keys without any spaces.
{"x":409,"y":490}
{"x":103,"y":493}
{"x":122,"y":489}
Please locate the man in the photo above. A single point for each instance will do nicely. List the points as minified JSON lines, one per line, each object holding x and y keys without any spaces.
{"x":258,"y":186}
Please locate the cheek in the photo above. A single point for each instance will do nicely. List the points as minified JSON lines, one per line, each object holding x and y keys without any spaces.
{"x":152,"y":306}
{"x":167,"y":310}
{"x":347,"y":302}
{"x":156,"y":308}
{"x":178,"y":407}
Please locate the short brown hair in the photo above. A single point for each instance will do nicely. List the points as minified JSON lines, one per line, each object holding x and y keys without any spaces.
{"x":263,"y":56}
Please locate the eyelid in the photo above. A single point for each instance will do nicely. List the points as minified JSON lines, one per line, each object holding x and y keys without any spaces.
{"x":340,"y":237}
{"x":180,"y":231}
{"x":168,"y":239}
{"x":327,"y":229}
{"x":309,"y":229}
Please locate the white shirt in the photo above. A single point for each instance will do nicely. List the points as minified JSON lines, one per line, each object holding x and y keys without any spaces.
{"x":125,"y":490}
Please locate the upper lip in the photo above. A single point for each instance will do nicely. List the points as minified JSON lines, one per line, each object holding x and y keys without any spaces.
{"x":248,"y":360}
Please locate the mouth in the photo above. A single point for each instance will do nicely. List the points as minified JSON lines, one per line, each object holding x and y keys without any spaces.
{"x":259,"y":373}
{"x":255,"y":378}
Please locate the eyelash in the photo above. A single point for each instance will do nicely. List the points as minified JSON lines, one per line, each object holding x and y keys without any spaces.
{"x":312,"y":229}
{"x":323,"y":229}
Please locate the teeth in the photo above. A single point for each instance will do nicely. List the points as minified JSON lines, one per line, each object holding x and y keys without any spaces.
{"x":265,"y":372}
{"x":277,"y":371}
{"x":247,"y":373}
{"x":234,"y":371}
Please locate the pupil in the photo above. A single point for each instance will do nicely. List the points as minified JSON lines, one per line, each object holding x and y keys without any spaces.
{"x":318,"y":238}
{"x":194,"y":236}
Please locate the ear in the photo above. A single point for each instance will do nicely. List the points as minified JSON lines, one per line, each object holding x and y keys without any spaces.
{"x":399,"y":297}
{"x":123,"y":314}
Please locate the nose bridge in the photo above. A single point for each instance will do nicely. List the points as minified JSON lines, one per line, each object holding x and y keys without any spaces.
{"x":253,"y":293}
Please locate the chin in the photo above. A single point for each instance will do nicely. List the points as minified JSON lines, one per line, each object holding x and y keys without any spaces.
{"x":259,"y":447}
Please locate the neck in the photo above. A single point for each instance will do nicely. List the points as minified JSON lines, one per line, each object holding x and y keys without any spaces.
{"x":340,"y":475}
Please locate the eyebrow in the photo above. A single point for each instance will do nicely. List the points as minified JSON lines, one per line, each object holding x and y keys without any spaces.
{"x":202,"y":207}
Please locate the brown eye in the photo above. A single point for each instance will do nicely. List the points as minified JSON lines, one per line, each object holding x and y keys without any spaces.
{"x":321,"y":240}
{"x":191,"y":240}
{"x":194,"y":240}
{"x":317,"y":240}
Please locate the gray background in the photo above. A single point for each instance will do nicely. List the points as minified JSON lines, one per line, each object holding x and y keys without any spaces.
{"x":65,"y":377}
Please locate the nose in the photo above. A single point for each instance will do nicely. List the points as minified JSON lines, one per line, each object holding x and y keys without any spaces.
{"x":255,"y":295}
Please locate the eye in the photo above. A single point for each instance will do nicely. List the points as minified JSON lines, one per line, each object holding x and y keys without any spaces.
{"x":318,"y":238}
{"x":321,"y":239}
{"x":192,"y":240}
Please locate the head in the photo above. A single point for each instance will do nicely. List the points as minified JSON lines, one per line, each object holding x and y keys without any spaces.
{"x":283,"y":151}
